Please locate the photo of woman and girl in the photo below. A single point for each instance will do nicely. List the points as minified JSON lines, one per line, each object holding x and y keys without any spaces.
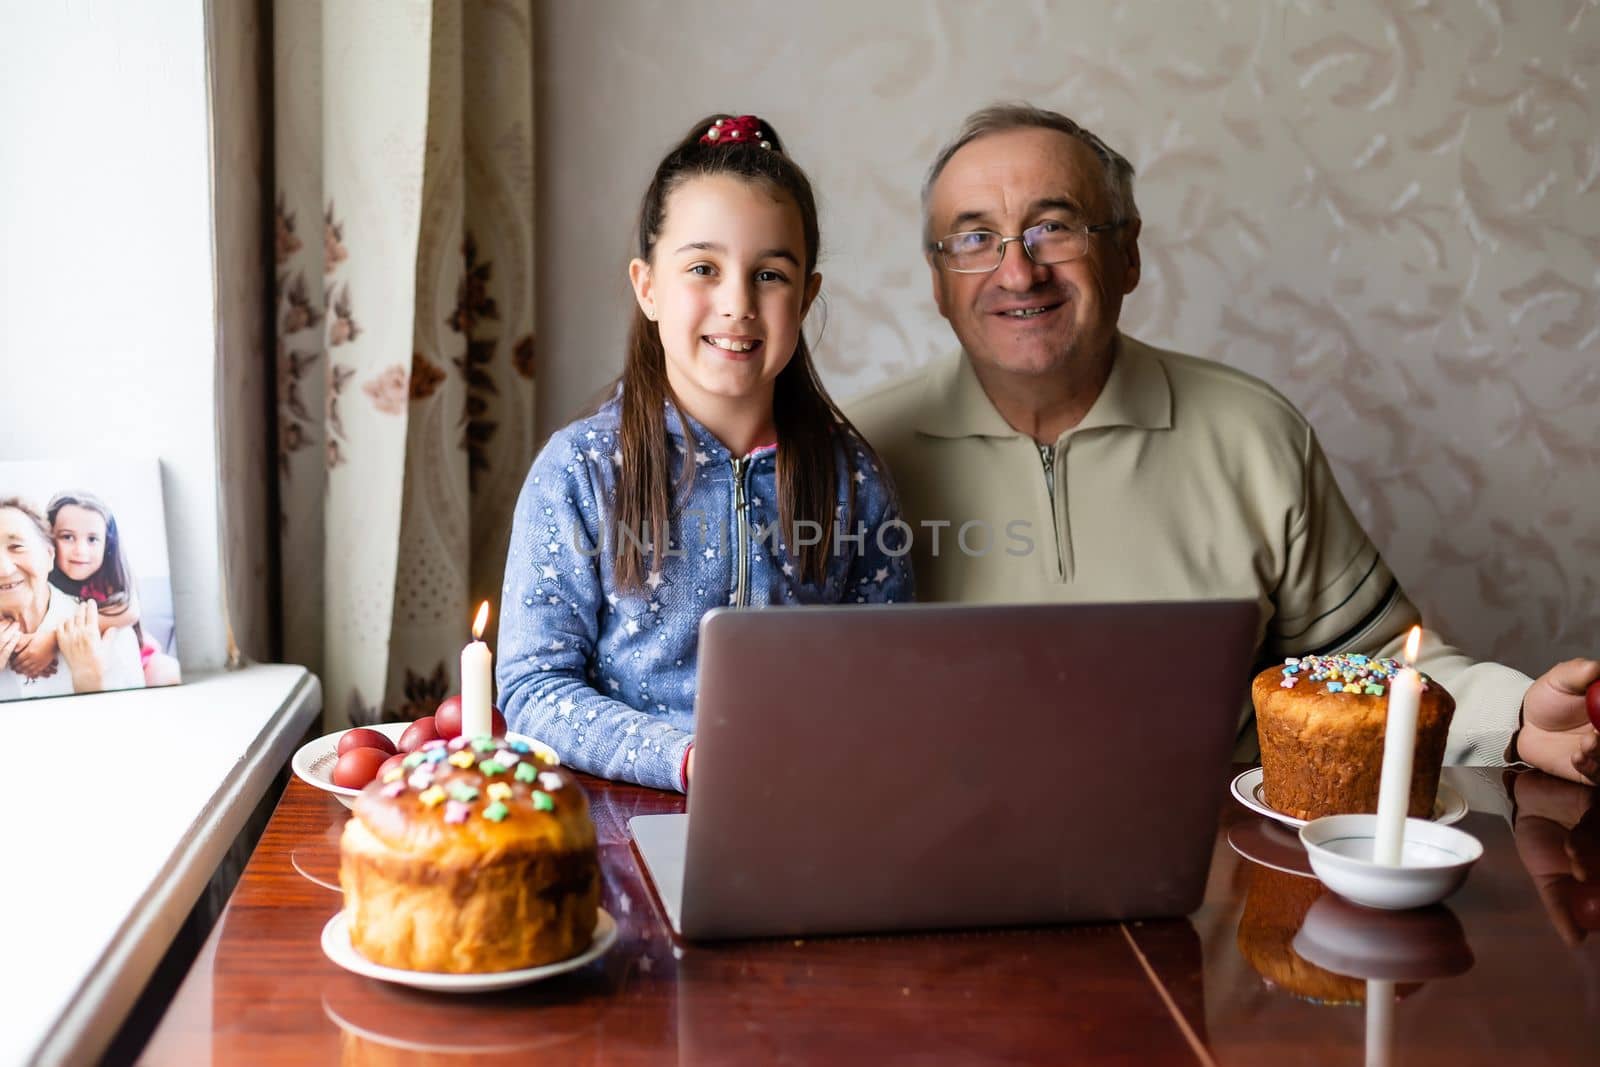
{"x":69,"y":606}
{"x":716,"y":472}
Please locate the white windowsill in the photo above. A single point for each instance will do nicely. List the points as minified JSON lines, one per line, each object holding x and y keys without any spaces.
{"x":118,"y":808}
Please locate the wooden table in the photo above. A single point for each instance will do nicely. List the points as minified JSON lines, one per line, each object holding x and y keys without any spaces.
{"x":1496,"y":977}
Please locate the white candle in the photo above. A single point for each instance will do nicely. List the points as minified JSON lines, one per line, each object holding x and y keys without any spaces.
{"x":477,"y":681}
{"x":1399,"y":741}
{"x":1380,"y":1023}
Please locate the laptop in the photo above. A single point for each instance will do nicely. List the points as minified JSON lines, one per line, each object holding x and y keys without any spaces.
{"x":936,"y":766}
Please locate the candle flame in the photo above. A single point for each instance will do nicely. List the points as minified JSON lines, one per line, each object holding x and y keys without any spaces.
{"x":1412,"y":641}
{"x":481,"y":621}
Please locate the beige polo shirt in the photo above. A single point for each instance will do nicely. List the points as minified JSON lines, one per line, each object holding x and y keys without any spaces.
{"x":1187,"y":479}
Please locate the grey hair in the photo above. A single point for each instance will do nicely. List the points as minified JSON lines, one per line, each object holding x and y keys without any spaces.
{"x":32,"y":514}
{"x":997,"y":118}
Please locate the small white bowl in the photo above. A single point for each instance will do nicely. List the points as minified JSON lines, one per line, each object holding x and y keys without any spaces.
{"x":1433,"y":862}
{"x":1392,"y":946}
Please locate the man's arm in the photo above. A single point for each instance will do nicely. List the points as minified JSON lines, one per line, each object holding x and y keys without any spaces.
{"x":1336,"y":594}
{"x":1488,"y":695}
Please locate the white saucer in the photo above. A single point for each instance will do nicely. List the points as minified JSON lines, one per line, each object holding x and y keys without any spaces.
{"x":1448,"y":805}
{"x":1268,"y":844}
{"x":337,"y":947}
{"x":313,"y":763}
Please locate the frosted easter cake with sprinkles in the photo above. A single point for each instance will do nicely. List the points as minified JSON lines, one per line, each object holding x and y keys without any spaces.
{"x":473,"y":856}
{"x":1320,"y":721}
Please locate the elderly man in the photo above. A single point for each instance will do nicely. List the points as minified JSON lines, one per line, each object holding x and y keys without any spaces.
{"x":1057,"y":459}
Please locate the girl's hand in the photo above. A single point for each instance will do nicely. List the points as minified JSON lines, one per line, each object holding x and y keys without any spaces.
{"x":35,"y":655}
{"x":10,"y":635}
{"x":79,"y":638}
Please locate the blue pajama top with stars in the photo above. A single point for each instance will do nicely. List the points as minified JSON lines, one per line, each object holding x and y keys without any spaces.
{"x":608,"y":678}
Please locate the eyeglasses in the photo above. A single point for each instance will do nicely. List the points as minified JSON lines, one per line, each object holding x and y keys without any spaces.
{"x":981,"y":251}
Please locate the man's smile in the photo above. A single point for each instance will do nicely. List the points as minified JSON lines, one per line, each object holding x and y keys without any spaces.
{"x":1025,"y":312}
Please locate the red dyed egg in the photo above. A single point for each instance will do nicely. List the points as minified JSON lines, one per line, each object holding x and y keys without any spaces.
{"x":358,"y":767}
{"x":395,"y":762}
{"x":447,"y":717}
{"x":1592,"y":699}
{"x":361,"y":737}
{"x":418,"y":734}
{"x":1583,"y":902}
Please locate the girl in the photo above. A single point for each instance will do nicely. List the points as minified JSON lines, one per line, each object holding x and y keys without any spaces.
{"x":719,"y":472}
{"x":89,"y":560}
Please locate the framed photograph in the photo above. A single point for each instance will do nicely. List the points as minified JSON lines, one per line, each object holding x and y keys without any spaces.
{"x":85,"y":586}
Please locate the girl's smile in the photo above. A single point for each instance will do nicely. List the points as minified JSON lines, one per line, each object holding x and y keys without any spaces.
{"x":735,"y":345}
{"x":80,"y":537}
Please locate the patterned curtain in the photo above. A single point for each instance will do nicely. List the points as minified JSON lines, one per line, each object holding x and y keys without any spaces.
{"x":404,"y":321}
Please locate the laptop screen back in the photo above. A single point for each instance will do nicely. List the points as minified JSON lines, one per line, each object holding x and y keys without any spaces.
{"x":934,"y":766}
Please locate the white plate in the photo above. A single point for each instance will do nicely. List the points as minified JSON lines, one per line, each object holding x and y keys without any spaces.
{"x":420,"y":1032}
{"x":337,"y":947}
{"x":1448,"y":805}
{"x":1268,"y":844}
{"x":313,"y":763}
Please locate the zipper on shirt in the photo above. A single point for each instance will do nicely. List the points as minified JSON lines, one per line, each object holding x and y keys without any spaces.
{"x":1047,"y":456}
{"x":741,"y":578}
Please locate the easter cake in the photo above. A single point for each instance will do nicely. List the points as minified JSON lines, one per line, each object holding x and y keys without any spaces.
{"x":473,"y":856}
{"x":1321,"y":721}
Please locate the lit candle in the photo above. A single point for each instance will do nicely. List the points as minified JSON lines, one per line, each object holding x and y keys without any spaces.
{"x":477,"y":681}
{"x":1399,"y":740}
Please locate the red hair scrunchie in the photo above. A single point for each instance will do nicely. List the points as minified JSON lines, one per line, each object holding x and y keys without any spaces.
{"x":745,"y":129}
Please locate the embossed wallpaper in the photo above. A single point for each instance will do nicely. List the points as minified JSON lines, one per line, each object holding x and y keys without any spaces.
{"x":1390,"y":211}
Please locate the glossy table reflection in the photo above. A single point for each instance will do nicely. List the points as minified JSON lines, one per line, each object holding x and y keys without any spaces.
{"x":1504,"y":972}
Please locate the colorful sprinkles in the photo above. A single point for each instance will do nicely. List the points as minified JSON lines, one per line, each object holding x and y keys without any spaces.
{"x":432,"y":773}
{"x":1343,"y":673}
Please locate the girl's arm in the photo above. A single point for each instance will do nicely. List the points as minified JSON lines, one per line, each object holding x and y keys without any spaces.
{"x":550,"y":613}
{"x":24,"y":651}
{"x":124,"y":614}
{"x":881,"y":572}
{"x":35,"y":655}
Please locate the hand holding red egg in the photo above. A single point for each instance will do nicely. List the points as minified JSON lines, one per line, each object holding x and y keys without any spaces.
{"x":1560,"y":732}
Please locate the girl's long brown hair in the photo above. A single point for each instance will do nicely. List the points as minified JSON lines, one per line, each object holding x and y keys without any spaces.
{"x":808,"y":421}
